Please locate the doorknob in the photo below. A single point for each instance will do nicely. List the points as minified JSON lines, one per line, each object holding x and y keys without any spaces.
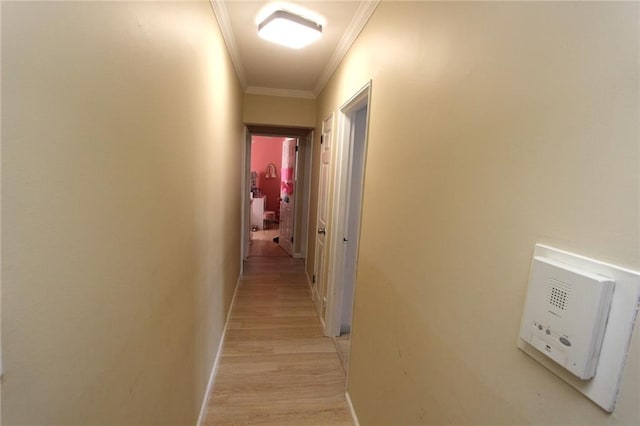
{"x":322,"y":231}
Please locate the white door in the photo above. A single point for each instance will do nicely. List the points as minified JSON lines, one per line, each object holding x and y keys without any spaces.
{"x":319,"y":277}
{"x":349,"y":167}
{"x":287,"y":190}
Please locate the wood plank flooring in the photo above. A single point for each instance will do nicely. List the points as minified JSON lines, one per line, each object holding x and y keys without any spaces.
{"x":343,"y":344}
{"x":276,"y":366}
{"x":261,"y":243}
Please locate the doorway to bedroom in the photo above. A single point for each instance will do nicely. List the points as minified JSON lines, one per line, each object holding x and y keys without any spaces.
{"x":265,"y":179}
{"x":276,"y":208}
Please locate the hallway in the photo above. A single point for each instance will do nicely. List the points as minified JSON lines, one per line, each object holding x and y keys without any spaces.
{"x":492,"y":128}
{"x":276,"y":366}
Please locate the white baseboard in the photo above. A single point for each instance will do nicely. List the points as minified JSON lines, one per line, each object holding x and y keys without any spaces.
{"x":298,"y":255}
{"x":214,"y":368}
{"x":313,"y":299}
{"x":354,"y":417}
{"x":308,"y":280}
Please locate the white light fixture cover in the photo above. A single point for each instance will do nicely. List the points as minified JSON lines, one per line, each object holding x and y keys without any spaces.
{"x":289,"y":30}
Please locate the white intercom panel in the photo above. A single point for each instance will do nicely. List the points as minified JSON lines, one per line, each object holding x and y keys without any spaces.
{"x":566,"y":313}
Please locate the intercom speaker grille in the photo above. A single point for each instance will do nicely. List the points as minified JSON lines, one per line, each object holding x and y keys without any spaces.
{"x":559,"y":293}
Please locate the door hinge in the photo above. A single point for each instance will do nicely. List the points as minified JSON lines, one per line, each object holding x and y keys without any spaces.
{"x":296,"y":148}
{"x":321,"y":139}
{"x":291,"y":240}
{"x":313,"y":280}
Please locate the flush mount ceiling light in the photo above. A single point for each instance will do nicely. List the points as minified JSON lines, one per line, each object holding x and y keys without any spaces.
{"x":289,"y":30}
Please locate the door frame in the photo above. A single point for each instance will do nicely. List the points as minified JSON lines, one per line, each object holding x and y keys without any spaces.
{"x":306,"y":146}
{"x":320,"y":279}
{"x":340,"y":209}
{"x":245,"y":187}
{"x":301,"y":194}
{"x":289,"y":246}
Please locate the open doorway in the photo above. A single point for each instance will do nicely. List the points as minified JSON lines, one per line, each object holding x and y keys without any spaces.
{"x":266,"y":174}
{"x":351,"y":148}
{"x":276,"y":200}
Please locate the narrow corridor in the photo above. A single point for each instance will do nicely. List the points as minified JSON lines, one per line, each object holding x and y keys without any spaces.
{"x":276,"y":365}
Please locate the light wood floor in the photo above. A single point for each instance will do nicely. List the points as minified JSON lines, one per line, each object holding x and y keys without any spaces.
{"x":276,"y":366}
{"x":261,"y":243}
{"x":343,"y":343}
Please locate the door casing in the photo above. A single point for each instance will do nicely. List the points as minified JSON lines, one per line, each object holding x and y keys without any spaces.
{"x":343,"y":207}
{"x":288,"y":205}
{"x":305,"y":137}
{"x":319,"y":284}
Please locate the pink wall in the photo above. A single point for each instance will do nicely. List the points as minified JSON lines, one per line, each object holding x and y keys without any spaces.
{"x":265,"y":150}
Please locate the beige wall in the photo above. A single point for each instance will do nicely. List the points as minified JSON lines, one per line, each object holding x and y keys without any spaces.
{"x":279,"y":111}
{"x":494,"y":126}
{"x":121,"y":160}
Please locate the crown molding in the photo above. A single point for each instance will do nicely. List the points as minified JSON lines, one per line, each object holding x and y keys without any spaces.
{"x":220,"y":11}
{"x":360,"y":19}
{"x":285,"y":93}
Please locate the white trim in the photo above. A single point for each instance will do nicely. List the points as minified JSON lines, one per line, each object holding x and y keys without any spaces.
{"x":214,"y":368}
{"x":220,"y":12}
{"x":352,"y":411}
{"x":311,"y":291}
{"x":327,"y":128}
{"x":339,"y":211}
{"x":284,"y":93}
{"x":308,"y":280}
{"x":335,"y":261}
{"x":360,"y":19}
{"x":351,"y":33}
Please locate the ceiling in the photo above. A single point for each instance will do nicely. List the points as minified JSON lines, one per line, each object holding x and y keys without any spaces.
{"x":269,"y":69}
